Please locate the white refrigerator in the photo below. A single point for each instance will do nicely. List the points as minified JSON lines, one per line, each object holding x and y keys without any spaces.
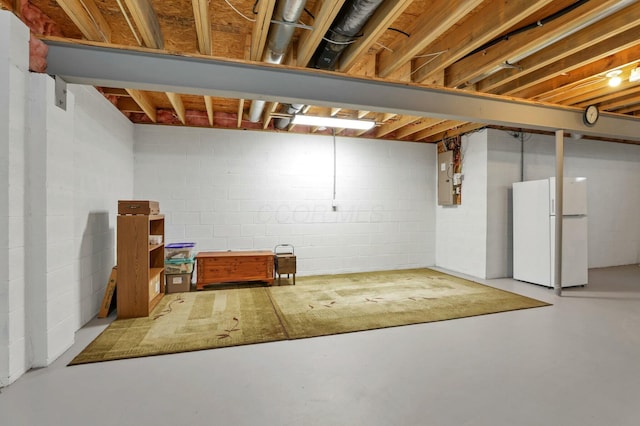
{"x":534,"y":216}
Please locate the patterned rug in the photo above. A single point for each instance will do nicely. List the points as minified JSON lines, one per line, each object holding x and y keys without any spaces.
{"x":315,"y":306}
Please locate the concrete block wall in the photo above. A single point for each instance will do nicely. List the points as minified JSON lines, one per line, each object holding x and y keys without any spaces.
{"x":503,"y":168}
{"x":14,"y":39}
{"x":49,"y":222}
{"x":103,"y":168}
{"x":461,"y":236}
{"x":613,"y":172}
{"x":61,"y":175}
{"x":239,"y":190}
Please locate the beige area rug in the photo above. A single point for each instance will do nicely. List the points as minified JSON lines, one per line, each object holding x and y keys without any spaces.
{"x":315,"y":306}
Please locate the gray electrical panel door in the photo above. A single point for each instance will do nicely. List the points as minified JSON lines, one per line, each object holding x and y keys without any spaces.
{"x":445,"y":178}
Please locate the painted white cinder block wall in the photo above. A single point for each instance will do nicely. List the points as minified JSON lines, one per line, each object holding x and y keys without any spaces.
{"x":475,"y":238}
{"x":461,"y":235}
{"x":239,"y":190}
{"x":503,"y":168}
{"x":61,"y":175}
{"x":50,"y":178}
{"x":613,"y":172}
{"x":103,"y":167}
{"x":14,"y":39}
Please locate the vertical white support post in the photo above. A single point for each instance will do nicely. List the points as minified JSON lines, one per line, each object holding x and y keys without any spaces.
{"x":559,"y":210}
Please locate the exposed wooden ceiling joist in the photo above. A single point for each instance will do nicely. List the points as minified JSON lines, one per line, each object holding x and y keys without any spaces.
{"x":147,"y":23}
{"x":309,"y":40}
{"x":261,"y":28}
{"x":517,"y":45}
{"x":569,"y":63}
{"x":145,"y":103}
{"x":382,"y":19}
{"x":88,"y":18}
{"x":203,"y":25}
{"x":441,"y":15}
{"x":480,"y":28}
{"x":438,"y":36}
{"x":208,"y":102}
{"x":625,"y":20}
{"x":178,"y":106}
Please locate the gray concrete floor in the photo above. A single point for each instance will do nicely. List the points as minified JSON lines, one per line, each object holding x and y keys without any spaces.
{"x":574,"y":363}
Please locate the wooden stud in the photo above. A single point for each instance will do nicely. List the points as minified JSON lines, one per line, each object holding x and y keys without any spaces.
{"x":483,"y":27}
{"x":240,"y":112}
{"x":208,"y":103}
{"x":434,"y":22}
{"x":261,"y":28}
{"x":310,"y":40}
{"x":203,"y":25}
{"x":178,"y":106}
{"x":380,"y":22}
{"x":87,"y":17}
{"x":145,"y":103}
{"x":146,"y":21}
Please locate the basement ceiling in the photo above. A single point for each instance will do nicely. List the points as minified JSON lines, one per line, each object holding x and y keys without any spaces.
{"x":559,"y":52}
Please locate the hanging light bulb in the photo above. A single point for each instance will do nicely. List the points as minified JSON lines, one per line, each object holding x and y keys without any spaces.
{"x":614,"y":78}
{"x":615,"y":81}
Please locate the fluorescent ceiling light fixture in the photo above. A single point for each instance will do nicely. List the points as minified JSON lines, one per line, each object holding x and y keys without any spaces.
{"x":341,"y":123}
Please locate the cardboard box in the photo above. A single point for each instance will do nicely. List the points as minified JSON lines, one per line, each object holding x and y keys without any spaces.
{"x":145,"y":207}
{"x":177,"y":283}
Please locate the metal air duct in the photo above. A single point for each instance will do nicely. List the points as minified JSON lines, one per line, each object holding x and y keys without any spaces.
{"x":342,"y":32}
{"x":279,"y":38}
{"x":292,"y":109}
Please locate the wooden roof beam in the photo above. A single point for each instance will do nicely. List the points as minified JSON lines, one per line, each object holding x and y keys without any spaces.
{"x":438,"y":128}
{"x":143,"y":99}
{"x":240,"y":112}
{"x":581,"y":58}
{"x":381,"y":20}
{"x":624,"y":100}
{"x":203,"y":25}
{"x":556,"y":89}
{"x":208,"y":104}
{"x":310,"y":40}
{"x":268,"y":111}
{"x":417,"y":126}
{"x":478,"y":30}
{"x":88,"y":18}
{"x":455,"y":131}
{"x":624,"y":20}
{"x":434,"y":22}
{"x":261,"y":28}
{"x":471,"y":67}
{"x":387,"y":128}
{"x":178,"y":106}
{"x":146,"y":21}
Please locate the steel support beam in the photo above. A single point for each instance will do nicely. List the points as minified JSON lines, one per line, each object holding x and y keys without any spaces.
{"x":93,"y":64}
{"x":559,"y":211}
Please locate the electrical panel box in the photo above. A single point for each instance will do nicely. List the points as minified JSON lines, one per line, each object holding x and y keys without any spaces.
{"x":445,"y":179}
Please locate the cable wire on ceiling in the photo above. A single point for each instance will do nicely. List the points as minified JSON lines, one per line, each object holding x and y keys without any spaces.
{"x":240,"y":13}
{"x":529,"y":27}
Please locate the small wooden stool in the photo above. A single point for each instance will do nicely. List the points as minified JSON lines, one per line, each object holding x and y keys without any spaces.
{"x":285,"y":261}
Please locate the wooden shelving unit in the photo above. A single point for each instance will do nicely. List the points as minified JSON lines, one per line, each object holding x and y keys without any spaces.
{"x":140,"y":265}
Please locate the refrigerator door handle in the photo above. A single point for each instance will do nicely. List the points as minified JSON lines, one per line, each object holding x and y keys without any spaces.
{"x":553,"y":206}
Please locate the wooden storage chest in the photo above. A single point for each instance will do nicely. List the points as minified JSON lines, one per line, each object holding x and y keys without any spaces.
{"x":234,"y":266}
